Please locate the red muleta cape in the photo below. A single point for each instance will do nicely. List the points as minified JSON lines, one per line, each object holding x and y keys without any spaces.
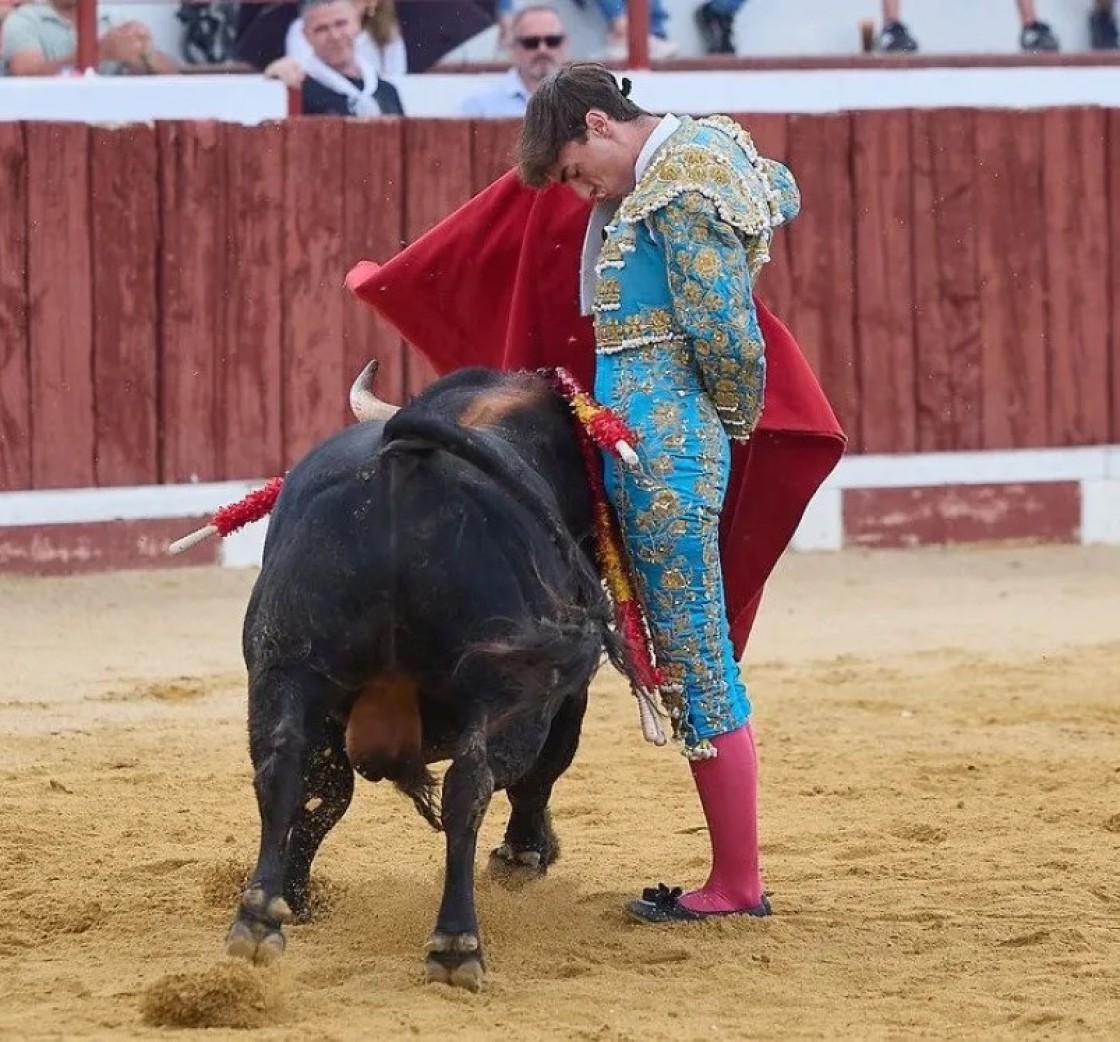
{"x":497,"y":284}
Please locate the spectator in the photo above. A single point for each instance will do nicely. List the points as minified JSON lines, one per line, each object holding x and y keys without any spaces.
{"x":6,"y":7}
{"x":380,"y":39}
{"x":1103,"y":35}
{"x":41,"y":39}
{"x":716,"y":22}
{"x":614,"y":11}
{"x":334,"y":79}
{"x":540,"y":47}
{"x":1034,"y":36}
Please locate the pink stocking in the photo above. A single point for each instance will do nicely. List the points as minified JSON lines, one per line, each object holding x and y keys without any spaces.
{"x":728,"y":788}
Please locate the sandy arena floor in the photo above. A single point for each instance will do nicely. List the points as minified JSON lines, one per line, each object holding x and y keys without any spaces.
{"x":940,"y":741}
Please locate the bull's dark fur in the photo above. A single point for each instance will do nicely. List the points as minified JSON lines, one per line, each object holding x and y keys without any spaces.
{"x":453,"y":555}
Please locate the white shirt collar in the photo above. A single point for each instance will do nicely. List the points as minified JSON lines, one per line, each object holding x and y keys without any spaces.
{"x":660,"y":134}
{"x":516,"y":85}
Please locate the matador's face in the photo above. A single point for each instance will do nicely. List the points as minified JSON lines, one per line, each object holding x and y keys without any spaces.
{"x":601,"y":165}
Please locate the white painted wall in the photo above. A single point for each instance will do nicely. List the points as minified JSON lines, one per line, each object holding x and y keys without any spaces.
{"x":1096,"y":468}
{"x":253,"y":99}
{"x":127,"y":99}
{"x":806,"y":91}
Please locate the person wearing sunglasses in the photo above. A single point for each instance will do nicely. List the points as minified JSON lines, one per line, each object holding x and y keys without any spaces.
{"x":614,"y":14}
{"x":539,"y":44}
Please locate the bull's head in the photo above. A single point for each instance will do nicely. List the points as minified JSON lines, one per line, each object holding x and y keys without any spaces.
{"x":363,"y":402}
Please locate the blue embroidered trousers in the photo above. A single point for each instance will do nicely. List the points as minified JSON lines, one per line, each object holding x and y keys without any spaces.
{"x":669,"y":512}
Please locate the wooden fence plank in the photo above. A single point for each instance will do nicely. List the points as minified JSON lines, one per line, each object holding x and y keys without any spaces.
{"x":193,"y":294}
{"x":822,"y":251}
{"x":59,"y":288}
{"x":374,"y":197}
{"x":884,"y":233}
{"x":1114,"y":239}
{"x":124,"y":187}
{"x":775,"y":285}
{"x":493,"y":150}
{"x":770,"y":132}
{"x":1011,"y":271}
{"x":251,"y":390}
{"x":1077,"y":274}
{"x":946,"y":299}
{"x":438,"y":182}
{"x":15,"y":382}
{"x":314,"y":267}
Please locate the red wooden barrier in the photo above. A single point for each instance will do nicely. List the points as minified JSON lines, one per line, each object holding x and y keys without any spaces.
{"x":946,"y":294}
{"x":171,"y":301}
{"x":15,"y":380}
{"x":822,"y":259}
{"x":1113,"y":187}
{"x":1011,"y":258}
{"x":1077,"y":270}
{"x":60,"y":298}
{"x":125,"y":227}
{"x":313,"y":263}
{"x":884,"y":279}
{"x":374,"y":203}
{"x":251,"y":379}
{"x":194,"y":217}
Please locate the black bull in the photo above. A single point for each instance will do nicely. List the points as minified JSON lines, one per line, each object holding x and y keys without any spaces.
{"x":426,"y":594}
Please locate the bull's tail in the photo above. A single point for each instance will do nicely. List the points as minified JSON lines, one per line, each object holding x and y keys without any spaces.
{"x":571,"y":643}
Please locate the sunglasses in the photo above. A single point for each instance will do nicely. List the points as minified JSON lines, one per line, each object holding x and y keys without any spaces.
{"x":532,"y":43}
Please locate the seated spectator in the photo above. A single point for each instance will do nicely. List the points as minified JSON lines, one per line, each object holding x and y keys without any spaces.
{"x":334,"y":79}
{"x":41,"y":39}
{"x":540,"y":47}
{"x":1034,"y":36}
{"x":380,"y":39}
{"x":614,"y":11}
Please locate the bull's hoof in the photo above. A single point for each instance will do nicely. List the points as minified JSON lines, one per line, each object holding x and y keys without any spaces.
{"x":255,"y":934}
{"x":455,"y":959}
{"x":509,"y":865}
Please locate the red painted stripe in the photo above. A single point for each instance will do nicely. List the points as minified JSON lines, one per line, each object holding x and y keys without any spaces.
{"x":1044,"y":512}
{"x":101,"y":546}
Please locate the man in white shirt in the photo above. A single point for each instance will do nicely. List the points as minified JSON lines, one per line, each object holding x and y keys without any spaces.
{"x":540,"y":47}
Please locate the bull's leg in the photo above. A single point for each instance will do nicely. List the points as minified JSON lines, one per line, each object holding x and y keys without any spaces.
{"x":454,"y":951}
{"x":328,"y":786}
{"x":278,"y":747}
{"x":530,"y":843}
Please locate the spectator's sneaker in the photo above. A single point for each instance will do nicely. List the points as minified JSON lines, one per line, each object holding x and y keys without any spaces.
{"x":618,"y":49}
{"x":717,"y":29}
{"x":1038,"y":37}
{"x":896,"y":39}
{"x":1103,"y":34}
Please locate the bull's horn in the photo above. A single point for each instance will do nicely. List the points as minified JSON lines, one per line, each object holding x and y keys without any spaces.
{"x":364,"y":404}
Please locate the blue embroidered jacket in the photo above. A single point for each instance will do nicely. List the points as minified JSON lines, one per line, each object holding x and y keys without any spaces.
{"x":681,"y":254}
